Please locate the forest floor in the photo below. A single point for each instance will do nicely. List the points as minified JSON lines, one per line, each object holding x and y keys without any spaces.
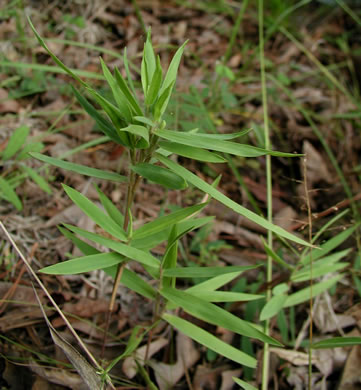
{"x":313,"y":67}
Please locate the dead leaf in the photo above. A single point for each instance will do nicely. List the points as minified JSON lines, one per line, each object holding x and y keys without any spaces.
{"x":59,"y":376}
{"x":295,"y":357}
{"x":6,"y":104}
{"x":129,"y":364}
{"x":227,"y":378}
{"x":316,"y":167}
{"x":167,"y":375}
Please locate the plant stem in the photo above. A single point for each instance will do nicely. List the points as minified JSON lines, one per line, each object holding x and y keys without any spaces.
{"x":266,"y":353}
{"x":134,"y":181}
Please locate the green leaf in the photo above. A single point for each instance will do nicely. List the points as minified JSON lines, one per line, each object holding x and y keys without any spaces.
{"x":139,"y":131}
{"x":305,"y":294}
{"x":210,"y":341}
{"x":171,"y":76}
{"x":162,"y":102}
{"x":16,"y":142}
{"x":110,"y":208}
{"x":149,"y":62}
{"x":119,"y":97}
{"x":153,"y":240}
{"x":337,"y":342}
{"x":128,"y":251}
{"x":205,"y":272}
{"x":223,"y":137}
{"x":134,"y":282}
{"x":84,"y":264}
{"x":132,"y":99}
{"x":317,"y":271}
{"x":134,"y":340}
{"x":273,"y":306}
{"x":170,"y":257}
{"x":205,"y":187}
{"x":331,"y":244}
{"x":129,"y":77}
{"x":270,"y":252}
{"x":213,"y":314}
{"x":9,"y":194}
{"x":191,"y":152}
{"x":224,"y":296}
{"x":243,"y":384}
{"x":83,"y":246}
{"x":154,"y":85}
{"x":160,"y":175}
{"x":81,"y":169}
{"x":56,"y":59}
{"x":30,"y":147}
{"x":39,"y":180}
{"x":114,"y":114}
{"x":203,"y":142}
{"x":93,"y":212}
{"x":104,"y":125}
{"x":166,"y":221}
{"x":213,"y":283}
{"x":145,"y":120}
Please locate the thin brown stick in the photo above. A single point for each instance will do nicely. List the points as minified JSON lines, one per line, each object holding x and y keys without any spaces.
{"x":333,"y":209}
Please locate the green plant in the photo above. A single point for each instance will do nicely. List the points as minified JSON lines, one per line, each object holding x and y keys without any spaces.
{"x":142,"y":130}
{"x":14,"y":168}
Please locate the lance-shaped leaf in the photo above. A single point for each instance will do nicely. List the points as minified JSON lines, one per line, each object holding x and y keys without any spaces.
{"x":154,"y":85}
{"x":337,"y":342}
{"x":16,"y":142}
{"x":93,"y":212}
{"x":104,"y":125}
{"x":166,"y":221}
{"x":219,"y":145}
{"x":129,"y":278}
{"x":84,"y":264}
{"x":329,"y":245}
{"x":225,"y":296}
{"x":160,"y":175}
{"x":148,"y":64}
{"x":308,"y":292}
{"x":202,"y":185}
{"x":273,"y":306}
{"x":114,"y":114}
{"x":191,"y":152}
{"x":8,"y":193}
{"x":39,"y":180}
{"x":161,"y":104}
{"x":151,"y":241}
{"x":119,"y":97}
{"x":81,"y":169}
{"x":205,"y":272}
{"x":128,"y":251}
{"x":212,"y":342}
{"x":110,"y":208}
{"x":134,"y":282}
{"x":213,"y":283}
{"x":172,"y":71}
{"x":213,"y":314}
{"x":132,"y":99}
{"x":243,"y":384}
{"x":138,"y":131}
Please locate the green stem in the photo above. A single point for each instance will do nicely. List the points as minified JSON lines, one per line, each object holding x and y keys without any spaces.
{"x":266,"y":353}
